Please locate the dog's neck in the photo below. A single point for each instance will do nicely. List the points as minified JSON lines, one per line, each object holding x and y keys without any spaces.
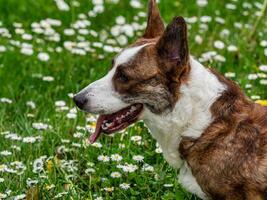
{"x":191,"y":114}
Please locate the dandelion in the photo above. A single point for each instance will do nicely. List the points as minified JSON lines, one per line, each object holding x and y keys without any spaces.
{"x":60,"y":195}
{"x":205,"y":19}
{"x":5,"y":153}
{"x":60,"y":103}
{"x":128,"y":167}
{"x":168,"y":185}
{"x":148,"y":168}
{"x":31,"y":182}
{"x":3,"y":168}
{"x":202,"y":3}
{"x":122,"y":40}
{"x":220,"y":20}
{"x":19,"y":197}
{"x":198,"y":39}
{"x":136,"y":138}
{"x":89,"y":171}
{"x":5,"y":100}
{"x":263,"y":43}
{"x":248,"y":86}
{"x":76,"y":145}
{"x":252,"y":76}
{"x":230,"y":6}
{"x":263,"y":82}
{"x":29,"y":140}
{"x":13,"y":136}
{"x":230,"y":75}
{"x":191,"y":20}
{"x":121,"y":146}
{"x":78,"y":135}
{"x":43,"y":57}
{"x":65,"y":141}
{"x":69,"y":32}
{"x":219,"y":44}
{"x":49,"y":187}
{"x":115,"y":174}
{"x":255,"y":97}
{"x":219,"y":58}
{"x":31,"y":104}
{"x":71,"y":115}
{"x":138,"y":158}
{"x":232,"y":48}
{"x":62,"y":5}
{"x":40,"y":126}
{"x":109,"y":189}
{"x":38,"y":165}
{"x":97,"y":145}
{"x":2,"y":195}
{"x":103,"y":158}
{"x":26,"y":36}
{"x":135,"y":4}
{"x":125,"y":186}
{"x":120,"y":20}
{"x":116,"y":157}
{"x":263,"y":68}
{"x":2,"y":48}
{"x":158,"y":150}
{"x":48,"y":78}
{"x":224,"y":33}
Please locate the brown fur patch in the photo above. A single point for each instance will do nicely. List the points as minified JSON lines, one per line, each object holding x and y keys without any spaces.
{"x":229,"y":160}
{"x":154,"y":75}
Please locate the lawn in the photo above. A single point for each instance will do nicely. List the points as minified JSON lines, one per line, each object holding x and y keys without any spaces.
{"x":51,"y":49}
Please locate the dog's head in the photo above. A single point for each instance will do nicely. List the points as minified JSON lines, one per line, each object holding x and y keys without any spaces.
{"x":145,"y":76}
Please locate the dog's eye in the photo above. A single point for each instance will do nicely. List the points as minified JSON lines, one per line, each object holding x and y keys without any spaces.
{"x":122,"y":77}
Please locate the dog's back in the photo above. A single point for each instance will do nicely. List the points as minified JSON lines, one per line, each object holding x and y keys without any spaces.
{"x":229,"y":160}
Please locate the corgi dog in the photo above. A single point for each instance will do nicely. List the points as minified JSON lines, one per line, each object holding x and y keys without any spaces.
{"x":206,"y":126}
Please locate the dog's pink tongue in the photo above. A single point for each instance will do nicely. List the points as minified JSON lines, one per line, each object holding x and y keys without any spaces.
{"x":98,"y":129}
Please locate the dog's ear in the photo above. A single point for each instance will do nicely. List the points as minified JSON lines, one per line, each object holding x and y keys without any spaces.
{"x":173,"y":54}
{"x":155,"y":26}
{"x":172,"y":47}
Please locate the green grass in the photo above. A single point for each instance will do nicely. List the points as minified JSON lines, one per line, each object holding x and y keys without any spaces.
{"x":21,"y":81}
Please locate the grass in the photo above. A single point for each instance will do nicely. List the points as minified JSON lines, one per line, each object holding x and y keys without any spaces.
{"x":70,"y":168}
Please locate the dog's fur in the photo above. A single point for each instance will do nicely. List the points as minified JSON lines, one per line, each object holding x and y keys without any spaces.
{"x":203,"y":122}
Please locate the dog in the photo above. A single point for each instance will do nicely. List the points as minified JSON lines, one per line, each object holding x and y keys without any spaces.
{"x":206,"y":126}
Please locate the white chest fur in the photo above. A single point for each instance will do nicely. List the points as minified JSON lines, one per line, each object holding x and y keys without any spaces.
{"x":190,"y":117}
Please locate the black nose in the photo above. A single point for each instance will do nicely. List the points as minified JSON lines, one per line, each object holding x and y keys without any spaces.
{"x":80,"y":100}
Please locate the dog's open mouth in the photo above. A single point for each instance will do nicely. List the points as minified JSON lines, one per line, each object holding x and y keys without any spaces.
{"x":115,"y":122}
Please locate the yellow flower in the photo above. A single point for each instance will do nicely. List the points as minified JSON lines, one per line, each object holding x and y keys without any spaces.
{"x":262,"y":102}
{"x":49,"y":187}
{"x":49,"y":165}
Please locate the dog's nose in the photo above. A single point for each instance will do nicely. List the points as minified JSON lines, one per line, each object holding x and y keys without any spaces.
{"x":80,"y":100}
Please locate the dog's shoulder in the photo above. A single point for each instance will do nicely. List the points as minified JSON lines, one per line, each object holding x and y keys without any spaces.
{"x":233,"y":145}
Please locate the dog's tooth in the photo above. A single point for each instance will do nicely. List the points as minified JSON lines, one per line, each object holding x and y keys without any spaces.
{"x":108,"y":124}
{"x":104,"y":127}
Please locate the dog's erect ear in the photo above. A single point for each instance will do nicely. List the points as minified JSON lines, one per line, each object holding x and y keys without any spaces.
{"x":173,"y":53}
{"x":172,"y":47}
{"x":155,"y":26}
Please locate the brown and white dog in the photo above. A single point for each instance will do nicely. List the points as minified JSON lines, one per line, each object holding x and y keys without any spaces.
{"x":203,"y":122}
